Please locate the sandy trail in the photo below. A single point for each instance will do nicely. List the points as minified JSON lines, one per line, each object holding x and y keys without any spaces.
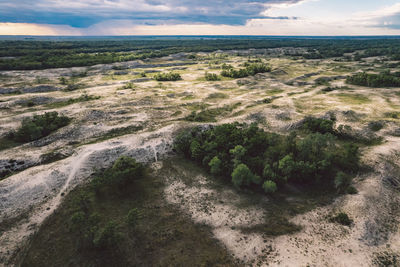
{"x":29,"y":197}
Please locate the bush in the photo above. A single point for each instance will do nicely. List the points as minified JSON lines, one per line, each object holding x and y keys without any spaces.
{"x":242,"y":175}
{"x":133,"y":217}
{"x":211,"y":77}
{"x":375,"y":125}
{"x":162,"y":77}
{"x":250,"y":70}
{"x":270,"y":187}
{"x":342,"y":181}
{"x":39,"y":126}
{"x":120,"y":176}
{"x":318,"y":125}
{"x":351,"y":190}
{"x":107,"y":237}
{"x":342,"y":218}
{"x":215,"y":165}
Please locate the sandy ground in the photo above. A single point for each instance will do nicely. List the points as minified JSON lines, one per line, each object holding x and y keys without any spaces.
{"x":36,"y":190}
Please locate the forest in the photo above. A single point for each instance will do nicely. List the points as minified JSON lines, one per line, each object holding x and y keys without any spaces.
{"x":29,"y":55}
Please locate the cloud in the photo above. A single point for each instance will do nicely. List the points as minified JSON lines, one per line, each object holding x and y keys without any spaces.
{"x":385,"y":17}
{"x":83,"y":13}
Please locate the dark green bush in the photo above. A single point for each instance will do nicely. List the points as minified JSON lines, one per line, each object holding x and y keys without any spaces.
{"x":250,"y":70}
{"x":342,"y":218}
{"x":107,"y":237}
{"x":39,"y":126}
{"x":163,"y":77}
{"x":133,"y":217}
{"x":211,"y":77}
{"x":318,"y":125}
{"x":121,"y":175}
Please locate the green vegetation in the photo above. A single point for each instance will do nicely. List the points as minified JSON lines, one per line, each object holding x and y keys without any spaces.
{"x":75,"y":53}
{"x":163,"y":77}
{"x":318,"y":125}
{"x":249,"y":70}
{"x":121,"y":219}
{"x":81,"y":98}
{"x":128,"y":85}
{"x":38,"y":126}
{"x":252,"y":158}
{"x":210,"y":115}
{"x":117,"y":132}
{"x":217,"y":96}
{"x":384,"y":79}
{"x":211,"y":77}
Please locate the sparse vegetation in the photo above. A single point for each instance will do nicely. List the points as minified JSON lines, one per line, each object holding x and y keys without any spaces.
{"x":81,"y":98}
{"x":342,"y":218}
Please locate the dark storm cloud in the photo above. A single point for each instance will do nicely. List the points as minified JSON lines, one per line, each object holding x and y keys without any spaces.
{"x":82,"y":13}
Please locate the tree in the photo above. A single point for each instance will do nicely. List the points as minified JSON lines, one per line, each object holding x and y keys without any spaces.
{"x":215,"y":165}
{"x":342,"y":181}
{"x":238,"y":152}
{"x":270,"y":187}
{"x":287,"y":166}
{"x":242,"y":175}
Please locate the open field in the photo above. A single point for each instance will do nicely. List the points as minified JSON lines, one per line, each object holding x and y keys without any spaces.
{"x":120,"y":109}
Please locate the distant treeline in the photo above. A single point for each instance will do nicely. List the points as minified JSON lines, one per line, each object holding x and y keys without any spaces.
{"x":49,"y":54}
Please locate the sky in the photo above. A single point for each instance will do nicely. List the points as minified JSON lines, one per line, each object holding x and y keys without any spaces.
{"x":200,"y":17}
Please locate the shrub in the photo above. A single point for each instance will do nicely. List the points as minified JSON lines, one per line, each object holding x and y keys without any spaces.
{"x":162,"y":77}
{"x":39,"y":126}
{"x":215,"y":165}
{"x":242,"y":175}
{"x":270,"y":187}
{"x":318,"y":125}
{"x":342,"y":181}
{"x":107,"y":237}
{"x":342,"y":218}
{"x":375,"y":125}
{"x":133,"y":217}
{"x":351,"y":190}
{"x":120,"y":176}
{"x":211,"y":77}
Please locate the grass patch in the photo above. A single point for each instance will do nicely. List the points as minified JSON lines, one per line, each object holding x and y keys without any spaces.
{"x":353,"y":99}
{"x":115,"y":133}
{"x":82,"y":98}
{"x":6,"y":143}
{"x":217,"y":96}
{"x":210,"y":115}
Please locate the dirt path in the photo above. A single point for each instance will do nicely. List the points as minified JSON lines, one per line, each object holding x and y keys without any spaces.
{"x":29,"y":197}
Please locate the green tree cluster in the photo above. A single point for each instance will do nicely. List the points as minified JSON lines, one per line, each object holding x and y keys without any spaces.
{"x":96,"y":232}
{"x":250,"y":157}
{"x":384,"y":79}
{"x":249,"y":70}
